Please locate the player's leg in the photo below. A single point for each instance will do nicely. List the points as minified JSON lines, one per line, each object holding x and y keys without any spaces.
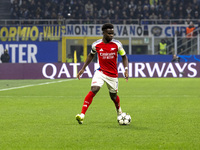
{"x":87,"y":101}
{"x":96,"y":84}
{"x":115,"y":98}
{"x":89,"y":97}
{"x":112,"y":84}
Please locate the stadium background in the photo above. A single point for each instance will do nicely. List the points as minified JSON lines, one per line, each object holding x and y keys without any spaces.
{"x":50,"y":31}
{"x":161,"y":97}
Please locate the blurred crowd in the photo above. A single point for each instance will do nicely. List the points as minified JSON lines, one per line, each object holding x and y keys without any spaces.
{"x":100,"y":11}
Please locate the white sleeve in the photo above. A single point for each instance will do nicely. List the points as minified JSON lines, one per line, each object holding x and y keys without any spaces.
{"x":93,"y":50}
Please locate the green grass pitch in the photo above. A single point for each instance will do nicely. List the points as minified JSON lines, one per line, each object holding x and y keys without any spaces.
{"x":165,"y":115}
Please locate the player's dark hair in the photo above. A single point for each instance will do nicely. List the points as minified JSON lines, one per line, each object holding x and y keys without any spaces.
{"x":107,"y":26}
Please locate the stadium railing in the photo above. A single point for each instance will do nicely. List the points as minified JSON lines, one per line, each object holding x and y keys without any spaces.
{"x":180,"y":45}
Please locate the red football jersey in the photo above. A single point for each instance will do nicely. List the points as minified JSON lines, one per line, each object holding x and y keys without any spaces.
{"x":107,"y":56}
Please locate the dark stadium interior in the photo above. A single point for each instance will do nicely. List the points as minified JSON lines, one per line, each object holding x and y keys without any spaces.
{"x":115,"y":11}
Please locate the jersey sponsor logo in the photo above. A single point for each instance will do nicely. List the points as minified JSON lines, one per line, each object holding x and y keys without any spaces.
{"x":113,"y":49}
{"x":101,"y":50}
{"x":107,"y":55}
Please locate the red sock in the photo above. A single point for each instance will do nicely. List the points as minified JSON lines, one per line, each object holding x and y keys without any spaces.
{"x":117,"y":102}
{"x":87,"y":101}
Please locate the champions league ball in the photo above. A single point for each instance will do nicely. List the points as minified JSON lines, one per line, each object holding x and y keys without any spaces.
{"x":124,"y":119}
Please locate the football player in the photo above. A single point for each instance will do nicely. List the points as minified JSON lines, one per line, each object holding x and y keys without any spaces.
{"x":107,"y":50}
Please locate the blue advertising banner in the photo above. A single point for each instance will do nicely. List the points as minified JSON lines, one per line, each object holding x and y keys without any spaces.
{"x":55,"y":32}
{"x":160,"y":58}
{"x":127,"y":30}
{"x":31,"y":52}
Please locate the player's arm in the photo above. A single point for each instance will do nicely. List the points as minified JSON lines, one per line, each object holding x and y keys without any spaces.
{"x":124,"y":61}
{"x":88,"y":60}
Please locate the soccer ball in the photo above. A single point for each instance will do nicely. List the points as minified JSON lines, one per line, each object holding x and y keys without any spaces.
{"x":124,"y":119}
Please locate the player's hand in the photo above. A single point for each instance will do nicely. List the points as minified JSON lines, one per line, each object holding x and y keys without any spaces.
{"x":126,"y":75}
{"x":80,"y":73}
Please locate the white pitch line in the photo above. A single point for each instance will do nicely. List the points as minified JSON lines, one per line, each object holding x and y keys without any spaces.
{"x":25,"y":86}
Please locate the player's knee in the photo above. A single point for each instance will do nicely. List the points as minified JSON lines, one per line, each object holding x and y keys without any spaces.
{"x":95,"y":89}
{"x":113,"y":96}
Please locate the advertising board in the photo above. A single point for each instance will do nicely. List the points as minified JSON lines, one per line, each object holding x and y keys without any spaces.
{"x":69,"y":70}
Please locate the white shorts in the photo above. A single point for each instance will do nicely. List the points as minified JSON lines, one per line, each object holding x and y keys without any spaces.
{"x":99,"y":78}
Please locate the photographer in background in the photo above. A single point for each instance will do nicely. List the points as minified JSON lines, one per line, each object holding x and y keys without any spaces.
{"x":5,"y":57}
{"x":175,"y":58}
